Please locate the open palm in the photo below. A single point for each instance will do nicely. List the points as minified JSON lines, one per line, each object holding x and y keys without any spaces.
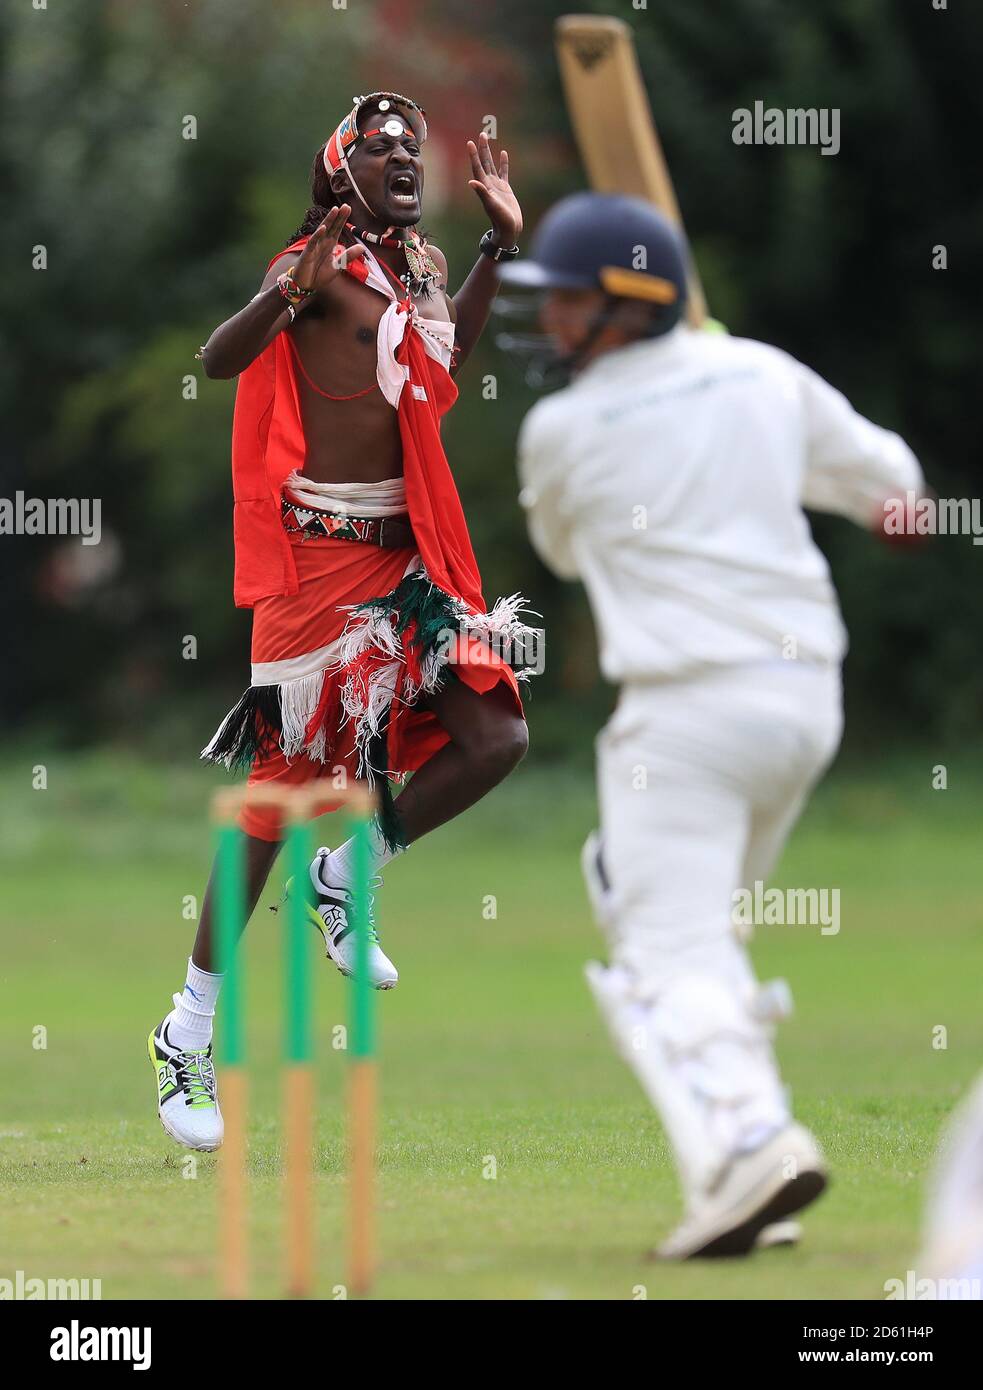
{"x":324,"y":257}
{"x":493,"y":189}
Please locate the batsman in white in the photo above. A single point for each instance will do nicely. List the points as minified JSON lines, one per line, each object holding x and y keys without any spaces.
{"x":670,"y":475}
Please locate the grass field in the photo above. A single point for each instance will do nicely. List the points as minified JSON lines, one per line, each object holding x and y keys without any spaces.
{"x":490,"y":1047}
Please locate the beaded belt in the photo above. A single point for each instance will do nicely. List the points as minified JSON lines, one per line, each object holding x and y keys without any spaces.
{"x":389,"y":532}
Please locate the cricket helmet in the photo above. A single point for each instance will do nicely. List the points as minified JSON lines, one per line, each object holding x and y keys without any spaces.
{"x":608,"y":241}
{"x":601,"y":241}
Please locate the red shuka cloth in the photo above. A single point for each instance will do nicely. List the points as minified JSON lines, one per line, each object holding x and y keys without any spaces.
{"x":268,"y":444}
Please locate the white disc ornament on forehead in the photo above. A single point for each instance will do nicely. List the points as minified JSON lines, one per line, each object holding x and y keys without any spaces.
{"x":393,"y":127}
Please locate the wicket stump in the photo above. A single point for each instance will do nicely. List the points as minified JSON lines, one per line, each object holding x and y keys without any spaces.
{"x":296,"y":805}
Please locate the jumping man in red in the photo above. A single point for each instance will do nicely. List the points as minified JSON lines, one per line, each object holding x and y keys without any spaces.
{"x":373,"y":651}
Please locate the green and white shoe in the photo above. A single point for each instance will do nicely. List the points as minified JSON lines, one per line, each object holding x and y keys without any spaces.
{"x":332,"y":917}
{"x":187,"y":1093}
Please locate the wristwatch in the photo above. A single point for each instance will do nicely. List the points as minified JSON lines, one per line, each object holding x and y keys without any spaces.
{"x":496,"y":253}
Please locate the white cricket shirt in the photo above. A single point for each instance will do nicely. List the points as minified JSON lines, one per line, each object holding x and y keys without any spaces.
{"x":670,"y":477}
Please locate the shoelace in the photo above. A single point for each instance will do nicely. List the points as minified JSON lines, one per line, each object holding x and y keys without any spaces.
{"x":370,"y":912}
{"x":347,"y":905}
{"x":376,"y":883}
{"x":197,"y":1075}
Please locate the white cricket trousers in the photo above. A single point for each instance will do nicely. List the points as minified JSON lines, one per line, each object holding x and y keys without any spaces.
{"x":700,"y":782}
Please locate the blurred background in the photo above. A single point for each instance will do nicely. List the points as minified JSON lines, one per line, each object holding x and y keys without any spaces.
{"x":152,"y":239}
{"x":490,"y":1045}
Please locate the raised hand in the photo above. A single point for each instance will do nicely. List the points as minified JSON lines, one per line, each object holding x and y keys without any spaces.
{"x":494,"y":192}
{"x":324,"y":257}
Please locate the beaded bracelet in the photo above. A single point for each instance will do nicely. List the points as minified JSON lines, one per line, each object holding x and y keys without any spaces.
{"x":292,"y":292}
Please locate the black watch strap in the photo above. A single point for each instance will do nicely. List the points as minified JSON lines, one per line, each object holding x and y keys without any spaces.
{"x":496,"y":253}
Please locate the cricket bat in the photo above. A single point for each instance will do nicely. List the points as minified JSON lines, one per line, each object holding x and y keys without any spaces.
{"x":612,"y":121}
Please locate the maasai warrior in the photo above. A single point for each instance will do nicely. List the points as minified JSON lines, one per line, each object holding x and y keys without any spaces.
{"x":373,"y":650}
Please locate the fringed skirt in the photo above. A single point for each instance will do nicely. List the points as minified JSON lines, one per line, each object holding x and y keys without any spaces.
{"x":342,"y":671}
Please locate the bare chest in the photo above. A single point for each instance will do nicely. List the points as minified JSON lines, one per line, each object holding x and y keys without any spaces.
{"x":337,"y":341}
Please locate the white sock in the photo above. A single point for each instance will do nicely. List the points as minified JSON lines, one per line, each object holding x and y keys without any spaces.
{"x":340,"y":866}
{"x":190,"y":1024}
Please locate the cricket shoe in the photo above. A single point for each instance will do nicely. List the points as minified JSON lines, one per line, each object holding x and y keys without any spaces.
{"x":187,"y":1095}
{"x":757,"y":1191}
{"x":334,"y":919}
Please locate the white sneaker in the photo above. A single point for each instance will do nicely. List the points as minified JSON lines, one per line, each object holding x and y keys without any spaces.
{"x":187,"y":1093}
{"x":755,"y":1191}
{"x":332,"y":918}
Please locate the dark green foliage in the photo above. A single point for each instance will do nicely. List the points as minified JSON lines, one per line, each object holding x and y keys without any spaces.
{"x":152,"y":239}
